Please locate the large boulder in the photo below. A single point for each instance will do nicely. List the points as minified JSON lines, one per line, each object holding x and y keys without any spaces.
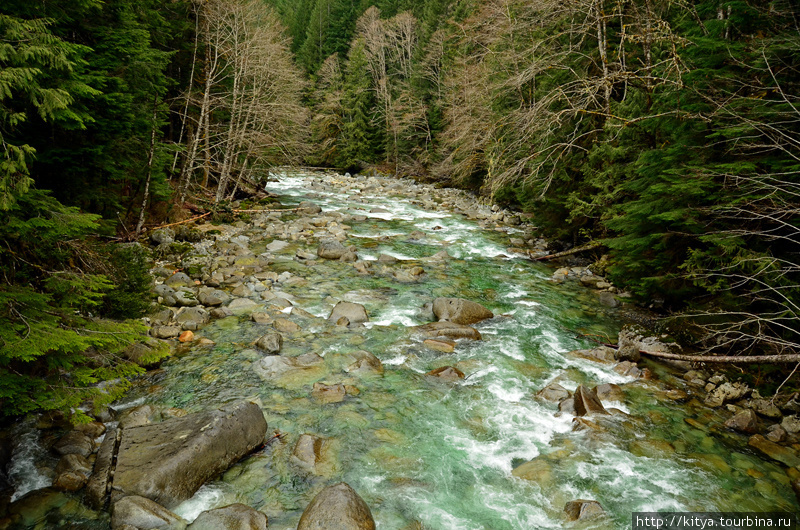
{"x":460,"y":311}
{"x":232,"y":517}
{"x":144,"y":514}
{"x":337,"y":507}
{"x":354,"y":313}
{"x":167,"y":462}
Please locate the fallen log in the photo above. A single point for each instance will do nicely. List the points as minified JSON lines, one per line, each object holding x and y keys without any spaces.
{"x":575,"y":250}
{"x":778,"y":359}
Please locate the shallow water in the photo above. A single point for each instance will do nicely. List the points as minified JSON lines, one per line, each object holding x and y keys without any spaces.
{"x":429,"y":454}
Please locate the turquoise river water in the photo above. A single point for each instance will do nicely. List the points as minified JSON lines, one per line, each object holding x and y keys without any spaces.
{"x":437,"y":455}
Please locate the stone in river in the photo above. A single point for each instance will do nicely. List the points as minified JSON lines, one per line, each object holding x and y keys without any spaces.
{"x":270,"y":343}
{"x":745,"y":421}
{"x":328,"y":393}
{"x":167,"y":462}
{"x":554,"y":392}
{"x":337,"y":507}
{"x":447,"y":373}
{"x":587,"y":402}
{"x":583,"y":509}
{"x":460,"y":311}
{"x":785,"y":455}
{"x":440,"y":344}
{"x":142,"y":513}
{"x":354,"y":313}
{"x":231,"y":517}
{"x":448,"y":329}
{"x":331,"y":249}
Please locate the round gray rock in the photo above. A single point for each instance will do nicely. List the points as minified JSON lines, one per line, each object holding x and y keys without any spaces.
{"x":460,"y":311}
{"x":337,"y":507}
{"x":354,"y":313}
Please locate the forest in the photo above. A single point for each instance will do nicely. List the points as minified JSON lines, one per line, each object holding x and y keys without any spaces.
{"x":666,"y":132}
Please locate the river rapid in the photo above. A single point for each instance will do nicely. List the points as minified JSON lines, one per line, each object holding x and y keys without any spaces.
{"x":434,"y":454}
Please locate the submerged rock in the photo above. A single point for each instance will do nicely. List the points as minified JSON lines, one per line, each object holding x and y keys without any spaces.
{"x":328,"y":393}
{"x":447,"y":373}
{"x":337,"y":507}
{"x":232,"y":517}
{"x":364,"y":363}
{"x":582,"y":509}
{"x":782,"y":454}
{"x":460,"y":311}
{"x":448,"y":329}
{"x":168,"y":461}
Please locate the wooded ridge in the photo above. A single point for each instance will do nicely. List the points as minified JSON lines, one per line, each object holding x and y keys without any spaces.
{"x":666,"y":132}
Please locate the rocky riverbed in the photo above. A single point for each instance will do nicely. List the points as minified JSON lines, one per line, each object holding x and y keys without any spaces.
{"x":381,"y":351}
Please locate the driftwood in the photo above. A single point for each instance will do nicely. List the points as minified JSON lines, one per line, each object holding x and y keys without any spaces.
{"x":588,"y":246}
{"x":777,"y":359}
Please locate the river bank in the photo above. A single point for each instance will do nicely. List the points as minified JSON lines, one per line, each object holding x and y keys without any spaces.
{"x":458,"y":431}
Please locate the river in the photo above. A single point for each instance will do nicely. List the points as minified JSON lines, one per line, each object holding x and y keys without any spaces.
{"x":439,"y":455}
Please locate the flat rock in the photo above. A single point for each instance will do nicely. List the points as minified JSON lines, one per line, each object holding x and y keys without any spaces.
{"x":782,"y":454}
{"x":284,"y":325}
{"x":337,"y":507}
{"x":241,"y":304}
{"x":167,"y":462}
{"x":231,"y":517}
{"x":440,"y":344}
{"x":144,"y":514}
{"x":275,"y":366}
{"x":328,"y":393}
{"x":448,"y":329}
